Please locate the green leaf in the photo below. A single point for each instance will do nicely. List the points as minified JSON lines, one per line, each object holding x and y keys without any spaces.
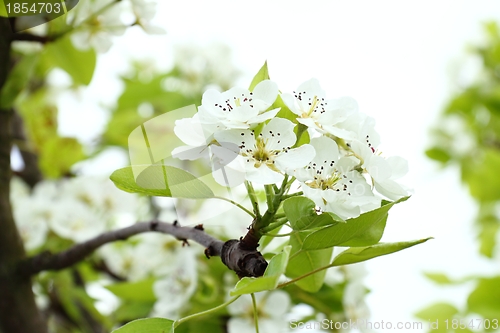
{"x":301,"y":213}
{"x":262,"y":74}
{"x":141,"y":291}
{"x":148,"y":325}
{"x":438,"y":154}
{"x":485,"y":299}
{"x":364,"y":230}
{"x":59,"y":154}
{"x":482,"y":177}
{"x":17,"y":80}
{"x":436,"y":315}
{"x":130,"y":310}
{"x":269,"y":280}
{"x":285,"y":111}
{"x":163,"y":181}
{"x":78,"y":64}
{"x":358,"y":254}
{"x":3,"y":9}
{"x":303,"y":262}
{"x":439,"y":278}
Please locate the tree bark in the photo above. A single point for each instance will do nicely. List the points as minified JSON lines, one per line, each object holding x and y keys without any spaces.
{"x":18,"y":310}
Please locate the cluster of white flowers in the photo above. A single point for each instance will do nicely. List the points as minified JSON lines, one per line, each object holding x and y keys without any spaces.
{"x":200,"y":67}
{"x":339,"y":168}
{"x":97,"y":22}
{"x":76,"y":209}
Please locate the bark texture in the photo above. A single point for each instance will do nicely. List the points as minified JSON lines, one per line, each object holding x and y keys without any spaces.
{"x":18,"y":311}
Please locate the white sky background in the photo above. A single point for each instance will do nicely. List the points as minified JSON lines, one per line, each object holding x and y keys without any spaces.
{"x":397,"y":58}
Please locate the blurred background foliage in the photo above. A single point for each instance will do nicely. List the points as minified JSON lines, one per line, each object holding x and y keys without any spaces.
{"x":467,"y":136}
{"x":145,"y":275}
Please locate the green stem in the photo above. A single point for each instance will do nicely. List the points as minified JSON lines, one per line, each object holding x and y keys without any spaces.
{"x":237,"y":205}
{"x":253,"y":199}
{"x":199,"y":314}
{"x":281,"y":235}
{"x":270,"y":197}
{"x":255,"y":313}
{"x":276,"y":224}
{"x":292,"y":195}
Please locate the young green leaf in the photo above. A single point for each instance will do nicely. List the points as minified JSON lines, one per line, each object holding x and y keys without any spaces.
{"x":140,"y":291}
{"x":301,"y":213}
{"x":147,"y":325}
{"x":303,"y":262}
{"x":17,"y":80}
{"x":358,"y":254}
{"x":163,"y":181}
{"x":364,"y":230}
{"x":78,"y":64}
{"x":262,"y":74}
{"x":269,"y":280}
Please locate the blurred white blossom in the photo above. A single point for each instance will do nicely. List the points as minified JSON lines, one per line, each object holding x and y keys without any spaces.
{"x":96,"y":23}
{"x":174,"y":290}
{"x":271,"y":308}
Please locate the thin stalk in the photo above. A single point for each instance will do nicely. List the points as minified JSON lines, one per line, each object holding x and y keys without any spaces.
{"x":269,"y":197}
{"x":286,"y":196}
{"x":253,"y":199}
{"x":237,"y":205}
{"x":203,"y":313}
{"x":281,"y":235}
{"x":276,"y":224}
{"x":255,"y":313}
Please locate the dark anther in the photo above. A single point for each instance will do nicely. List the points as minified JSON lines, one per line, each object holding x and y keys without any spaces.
{"x":199,"y":227}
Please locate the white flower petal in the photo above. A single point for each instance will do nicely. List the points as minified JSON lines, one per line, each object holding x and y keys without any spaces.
{"x":266,"y":91}
{"x":279,"y":134}
{"x":295,"y":158}
{"x":263,"y":175}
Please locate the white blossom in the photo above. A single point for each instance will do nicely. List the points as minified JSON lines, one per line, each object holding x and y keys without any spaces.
{"x":31,"y":215}
{"x":271,"y":307}
{"x":267,"y":156}
{"x":97,"y":22}
{"x":144,"y":11}
{"x":309,"y":103}
{"x":333,"y":182}
{"x":384,"y":171}
{"x":74,"y":220}
{"x":238,"y":107}
{"x":174,"y":290}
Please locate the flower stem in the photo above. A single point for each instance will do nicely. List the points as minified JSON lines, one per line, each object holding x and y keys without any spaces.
{"x":286,"y":196}
{"x":237,"y":205}
{"x":199,"y":314}
{"x":255,"y":313}
{"x":253,"y":199}
{"x":269,"y":196}
{"x":276,"y":224}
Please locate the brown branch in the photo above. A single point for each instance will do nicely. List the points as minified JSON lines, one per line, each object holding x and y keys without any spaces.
{"x":47,"y":261}
{"x":234,"y":254}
